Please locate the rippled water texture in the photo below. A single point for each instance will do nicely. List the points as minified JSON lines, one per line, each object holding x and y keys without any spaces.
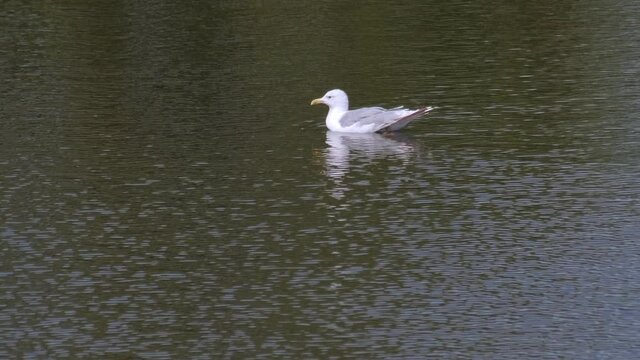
{"x":166,"y":191}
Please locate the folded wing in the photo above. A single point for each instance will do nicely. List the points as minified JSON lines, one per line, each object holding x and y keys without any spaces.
{"x":382,"y":120}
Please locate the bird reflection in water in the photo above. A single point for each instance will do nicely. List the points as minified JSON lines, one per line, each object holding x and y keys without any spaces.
{"x":353,"y":152}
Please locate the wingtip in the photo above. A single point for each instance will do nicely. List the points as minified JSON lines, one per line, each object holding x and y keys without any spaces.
{"x":426,"y":110}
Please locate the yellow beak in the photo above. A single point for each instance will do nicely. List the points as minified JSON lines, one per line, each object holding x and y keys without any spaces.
{"x":317,"y":101}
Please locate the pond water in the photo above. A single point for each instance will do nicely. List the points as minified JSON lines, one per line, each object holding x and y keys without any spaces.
{"x":167,"y":192}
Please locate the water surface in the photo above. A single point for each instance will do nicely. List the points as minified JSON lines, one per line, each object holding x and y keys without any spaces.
{"x":167,"y":192}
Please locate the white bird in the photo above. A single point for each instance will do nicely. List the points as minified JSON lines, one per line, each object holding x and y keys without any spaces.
{"x":365,"y":120}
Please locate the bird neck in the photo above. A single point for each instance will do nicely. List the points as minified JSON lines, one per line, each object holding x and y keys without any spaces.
{"x":337,"y":111}
{"x":341,"y":107}
{"x":333,"y":118}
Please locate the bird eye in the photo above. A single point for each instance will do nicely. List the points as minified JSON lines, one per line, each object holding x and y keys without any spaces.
{"x":329,"y":97}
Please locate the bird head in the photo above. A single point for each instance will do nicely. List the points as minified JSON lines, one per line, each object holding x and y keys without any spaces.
{"x":334,"y":99}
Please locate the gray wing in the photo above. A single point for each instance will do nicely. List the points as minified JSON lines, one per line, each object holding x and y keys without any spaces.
{"x":406,"y":119}
{"x":370,"y":115}
{"x":382,"y":119}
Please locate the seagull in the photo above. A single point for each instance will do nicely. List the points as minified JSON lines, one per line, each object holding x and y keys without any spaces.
{"x":365,"y":120}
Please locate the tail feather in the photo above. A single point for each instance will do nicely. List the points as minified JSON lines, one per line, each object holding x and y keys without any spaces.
{"x":404,"y":121}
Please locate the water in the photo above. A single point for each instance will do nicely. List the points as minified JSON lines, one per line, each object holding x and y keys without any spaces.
{"x":167,"y":191}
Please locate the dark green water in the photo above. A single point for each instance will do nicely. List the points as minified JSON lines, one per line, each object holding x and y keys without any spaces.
{"x":166,"y":191}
